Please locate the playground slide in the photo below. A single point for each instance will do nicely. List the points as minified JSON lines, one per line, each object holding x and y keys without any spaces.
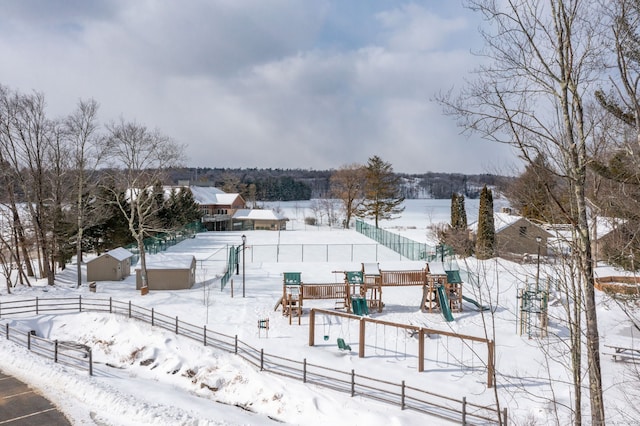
{"x":475,"y":303}
{"x":444,"y":304}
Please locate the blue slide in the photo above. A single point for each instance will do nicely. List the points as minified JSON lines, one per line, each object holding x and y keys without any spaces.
{"x":444,"y":304}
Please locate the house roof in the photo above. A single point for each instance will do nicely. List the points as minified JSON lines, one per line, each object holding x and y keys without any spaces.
{"x":209,"y":195}
{"x":258,"y":214}
{"x":502,"y":221}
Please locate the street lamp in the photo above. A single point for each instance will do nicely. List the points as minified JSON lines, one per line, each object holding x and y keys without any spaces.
{"x":244,"y":241}
{"x":538,"y":240}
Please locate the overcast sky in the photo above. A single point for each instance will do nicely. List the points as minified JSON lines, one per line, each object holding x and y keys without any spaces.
{"x":260,"y":83}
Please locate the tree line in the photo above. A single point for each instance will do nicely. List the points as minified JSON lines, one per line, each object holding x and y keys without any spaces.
{"x":268,"y":184}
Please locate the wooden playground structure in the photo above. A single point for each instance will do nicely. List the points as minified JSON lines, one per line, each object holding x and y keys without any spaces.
{"x":418,"y":331}
{"x":362,"y":290}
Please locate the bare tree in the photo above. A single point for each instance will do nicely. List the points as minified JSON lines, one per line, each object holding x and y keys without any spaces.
{"x":26,"y":139}
{"x":88,"y":150}
{"x":347,"y":185}
{"x":141,"y":157}
{"x":541,"y":61}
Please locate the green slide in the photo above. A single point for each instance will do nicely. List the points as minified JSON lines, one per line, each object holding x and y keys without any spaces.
{"x":475,"y":303}
{"x":444,"y":304}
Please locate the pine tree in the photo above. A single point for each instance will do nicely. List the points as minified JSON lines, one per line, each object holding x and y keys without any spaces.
{"x":382,"y":191}
{"x":486,"y":233}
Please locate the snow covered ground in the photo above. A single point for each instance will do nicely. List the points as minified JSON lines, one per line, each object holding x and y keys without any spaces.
{"x":146,"y":375}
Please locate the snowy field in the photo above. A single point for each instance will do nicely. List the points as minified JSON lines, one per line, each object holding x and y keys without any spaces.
{"x":149,"y":376}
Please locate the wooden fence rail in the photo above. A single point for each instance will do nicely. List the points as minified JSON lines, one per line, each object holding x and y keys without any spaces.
{"x":398,"y":394}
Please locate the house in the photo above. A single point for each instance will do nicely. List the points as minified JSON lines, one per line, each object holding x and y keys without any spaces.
{"x":113,"y":265}
{"x":517,"y":235}
{"x":259,"y":219}
{"x":227,"y":212}
{"x":217,"y":207}
{"x":169,"y":272}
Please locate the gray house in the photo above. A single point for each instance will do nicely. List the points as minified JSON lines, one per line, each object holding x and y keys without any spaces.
{"x":114,"y":265}
{"x":169,"y":272}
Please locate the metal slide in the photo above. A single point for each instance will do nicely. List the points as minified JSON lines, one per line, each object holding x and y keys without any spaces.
{"x":444,"y":304}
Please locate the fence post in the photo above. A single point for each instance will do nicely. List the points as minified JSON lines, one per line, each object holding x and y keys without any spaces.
{"x":504,"y":416}
{"x":204,"y":335}
{"x":176,"y":325}
{"x":55,"y":351}
{"x":353,"y":382}
{"x":110,"y":305}
{"x":29,"y":340}
{"x":261,"y":359}
{"x":152,"y":317}
{"x":402,"y":396}
{"x":304,"y":370}
{"x":129,"y":308}
{"x":7,"y":331}
{"x":235,"y":350}
{"x":37,"y":307}
{"x":464,"y":410}
{"x":90,"y":362}
{"x":79,"y":303}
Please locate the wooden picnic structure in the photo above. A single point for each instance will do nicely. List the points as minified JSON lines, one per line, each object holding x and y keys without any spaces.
{"x":420,"y":332}
{"x":624,"y":353}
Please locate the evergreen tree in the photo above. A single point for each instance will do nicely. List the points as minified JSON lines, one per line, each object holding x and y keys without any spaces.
{"x":458,"y":212}
{"x":486,"y":233}
{"x":382,"y":191}
{"x":454,"y":211}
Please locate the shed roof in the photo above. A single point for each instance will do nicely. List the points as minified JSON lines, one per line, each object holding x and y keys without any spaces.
{"x":119,"y":254}
{"x":169,"y":261}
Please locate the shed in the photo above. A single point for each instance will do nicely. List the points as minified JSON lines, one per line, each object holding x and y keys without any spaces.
{"x":169,"y":272}
{"x":113,"y":265}
{"x":517,"y":235}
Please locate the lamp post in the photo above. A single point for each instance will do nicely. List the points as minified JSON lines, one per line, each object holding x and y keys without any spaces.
{"x":538,"y":240}
{"x":244,"y":241}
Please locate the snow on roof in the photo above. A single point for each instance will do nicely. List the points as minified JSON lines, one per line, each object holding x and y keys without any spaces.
{"x":169,"y":261}
{"x":502,"y":221}
{"x":208,"y":195}
{"x":258,"y":214}
{"x":120,"y":253}
{"x":436,"y":268}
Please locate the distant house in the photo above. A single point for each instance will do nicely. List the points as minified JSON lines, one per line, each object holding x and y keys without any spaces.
{"x":169,"y":272}
{"x":259,"y":219}
{"x":228,"y":212}
{"x":517,"y":235}
{"x":113,"y":265}
{"x":217,"y":207}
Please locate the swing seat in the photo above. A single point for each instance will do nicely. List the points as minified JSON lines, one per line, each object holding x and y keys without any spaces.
{"x":342,"y":345}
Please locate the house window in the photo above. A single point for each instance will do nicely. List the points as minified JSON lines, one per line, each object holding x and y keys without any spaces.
{"x":523,"y":231}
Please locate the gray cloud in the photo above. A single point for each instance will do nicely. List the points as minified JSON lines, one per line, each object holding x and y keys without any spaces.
{"x":259,"y":84}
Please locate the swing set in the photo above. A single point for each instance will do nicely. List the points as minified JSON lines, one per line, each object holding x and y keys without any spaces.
{"x":420,"y":332}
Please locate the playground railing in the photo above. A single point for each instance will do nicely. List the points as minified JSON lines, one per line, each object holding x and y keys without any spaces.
{"x":398,"y":394}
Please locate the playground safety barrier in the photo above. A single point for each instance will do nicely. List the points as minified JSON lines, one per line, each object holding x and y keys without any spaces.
{"x":398,"y":394}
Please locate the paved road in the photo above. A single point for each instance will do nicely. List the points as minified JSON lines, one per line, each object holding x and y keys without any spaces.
{"x":22,"y":406}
